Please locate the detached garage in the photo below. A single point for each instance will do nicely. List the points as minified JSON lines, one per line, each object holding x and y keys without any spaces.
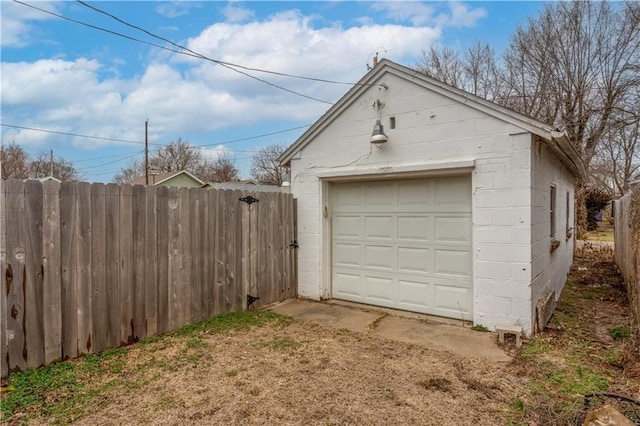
{"x":453,"y":206}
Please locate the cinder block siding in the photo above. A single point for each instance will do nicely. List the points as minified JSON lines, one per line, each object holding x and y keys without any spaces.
{"x":550,"y":269}
{"x":430,"y":129}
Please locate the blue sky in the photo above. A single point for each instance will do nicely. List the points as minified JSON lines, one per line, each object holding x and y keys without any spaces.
{"x":64,"y":77}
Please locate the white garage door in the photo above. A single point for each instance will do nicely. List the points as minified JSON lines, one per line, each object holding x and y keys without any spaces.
{"x":404,"y":244}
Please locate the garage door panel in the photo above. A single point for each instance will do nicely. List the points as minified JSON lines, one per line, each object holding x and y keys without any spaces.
{"x":377,"y":196}
{"x":347,"y":227}
{"x":415,"y":295}
{"x":453,"y":302}
{"x":415,"y":195}
{"x":379,"y":290}
{"x":404,"y":244}
{"x":452,"y":229}
{"x":347,"y":285}
{"x":379,"y":257}
{"x":414,"y":228}
{"x":453,"y":194}
{"x":349,"y":197}
{"x":455,"y":263}
{"x":348,"y":255}
{"x":414,"y":260}
{"x":378,"y":227}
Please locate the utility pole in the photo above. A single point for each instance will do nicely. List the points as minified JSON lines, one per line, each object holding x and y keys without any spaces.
{"x":51,"y":163}
{"x":146,"y":152}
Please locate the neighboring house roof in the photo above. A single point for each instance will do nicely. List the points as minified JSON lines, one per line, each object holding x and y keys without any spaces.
{"x":241,"y":185}
{"x":556,"y":140}
{"x":160,"y":178}
{"x":49,"y":178}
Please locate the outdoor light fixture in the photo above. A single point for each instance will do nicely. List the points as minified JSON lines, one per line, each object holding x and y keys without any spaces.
{"x":377,"y":136}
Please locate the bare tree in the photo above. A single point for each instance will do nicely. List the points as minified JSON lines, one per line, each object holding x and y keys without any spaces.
{"x":475,"y":71}
{"x":133,"y":170}
{"x":176,"y":156}
{"x":221,"y":169}
{"x":43,"y":165}
{"x":265,"y":167}
{"x":617,"y":159}
{"x":481,"y":72}
{"x":15,"y":162}
{"x":172,"y":157}
{"x":575,"y":67}
{"x":444,"y":64}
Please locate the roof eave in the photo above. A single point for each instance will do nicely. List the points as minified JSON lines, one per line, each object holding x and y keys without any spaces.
{"x":569,"y":154}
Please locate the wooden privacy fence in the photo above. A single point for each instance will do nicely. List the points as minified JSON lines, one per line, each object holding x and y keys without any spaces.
{"x":88,"y":267}
{"x":627,"y":246}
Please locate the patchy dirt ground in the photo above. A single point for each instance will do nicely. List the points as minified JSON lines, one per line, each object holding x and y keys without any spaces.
{"x":292,"y":372}
{"x":299,"y":373}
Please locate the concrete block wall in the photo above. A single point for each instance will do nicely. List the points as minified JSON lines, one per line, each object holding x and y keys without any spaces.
{"x":430,"y":129}
{"x":550,"y":270}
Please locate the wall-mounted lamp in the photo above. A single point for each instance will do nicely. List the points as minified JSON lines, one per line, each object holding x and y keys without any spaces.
{"x":377,"y":136}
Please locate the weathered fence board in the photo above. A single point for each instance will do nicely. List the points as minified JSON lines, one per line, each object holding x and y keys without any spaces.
{"x":112,"y":257}
{"x":33,"y":304}
{"x":163,"y":253}
{"x":139,"y":267}
{"x":83,"y":267}
{"x":174,"y":258}
{"x":68,"y":259}
{"x":627,"y":247}
{"x":98,"y":269}
{"x":15,"y":237}
{"x":126,"y":274}
{"x":151,"y":266}
{"x":89,"y":267}
{"x":51,"y":291}
{"x":4,"y":367}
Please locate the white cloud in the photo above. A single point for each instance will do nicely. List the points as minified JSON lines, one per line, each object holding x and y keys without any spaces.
{"x":175,"y":9}
{"x":16,"y":22}
{"x":235,"y":13}
{"x":463,"y":16}
{"x":418,"y":13}
{"x":185,"y":95}
{"x":217,"y":151}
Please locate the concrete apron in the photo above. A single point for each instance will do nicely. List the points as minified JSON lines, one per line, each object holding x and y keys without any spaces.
{"x":396,"y":325}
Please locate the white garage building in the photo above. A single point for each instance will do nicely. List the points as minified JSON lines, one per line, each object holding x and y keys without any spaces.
{"x":458,"y":207}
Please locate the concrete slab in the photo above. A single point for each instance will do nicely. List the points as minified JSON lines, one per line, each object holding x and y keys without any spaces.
{"x":384,"y":323}
{"x":336,"y":316}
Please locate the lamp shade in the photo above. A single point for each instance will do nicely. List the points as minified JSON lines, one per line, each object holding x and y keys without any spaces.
{"x":377,"y":136}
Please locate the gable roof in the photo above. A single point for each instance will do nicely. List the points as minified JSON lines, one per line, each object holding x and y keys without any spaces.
{"x":557,"y":141}
{"x":162,"y":177}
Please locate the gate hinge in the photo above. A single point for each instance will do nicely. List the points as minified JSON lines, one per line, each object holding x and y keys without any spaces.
{"x":249,"y":199}
{"x":294,"y":244}
{"x":251,"y":299}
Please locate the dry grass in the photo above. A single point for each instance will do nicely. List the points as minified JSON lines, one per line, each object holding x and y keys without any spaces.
{"x":261,"y":368}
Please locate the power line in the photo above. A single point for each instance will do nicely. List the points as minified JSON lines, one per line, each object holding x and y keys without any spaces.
{"x":217,"y":61}
{"x":226,"y":65}
{"x":253,"y":137}
{"x":72,"y":134}
{"x":105,"y":156}
{"x":159,"y":144}
{"x":111,"y":162}
{"x":196,"y":55}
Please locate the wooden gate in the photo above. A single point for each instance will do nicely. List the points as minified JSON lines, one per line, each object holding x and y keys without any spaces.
{"x":88,"y":267}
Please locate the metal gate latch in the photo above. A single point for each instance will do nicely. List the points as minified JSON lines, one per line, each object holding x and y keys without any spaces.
{"x":249,"y":199}
{"x":294,"y":244}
